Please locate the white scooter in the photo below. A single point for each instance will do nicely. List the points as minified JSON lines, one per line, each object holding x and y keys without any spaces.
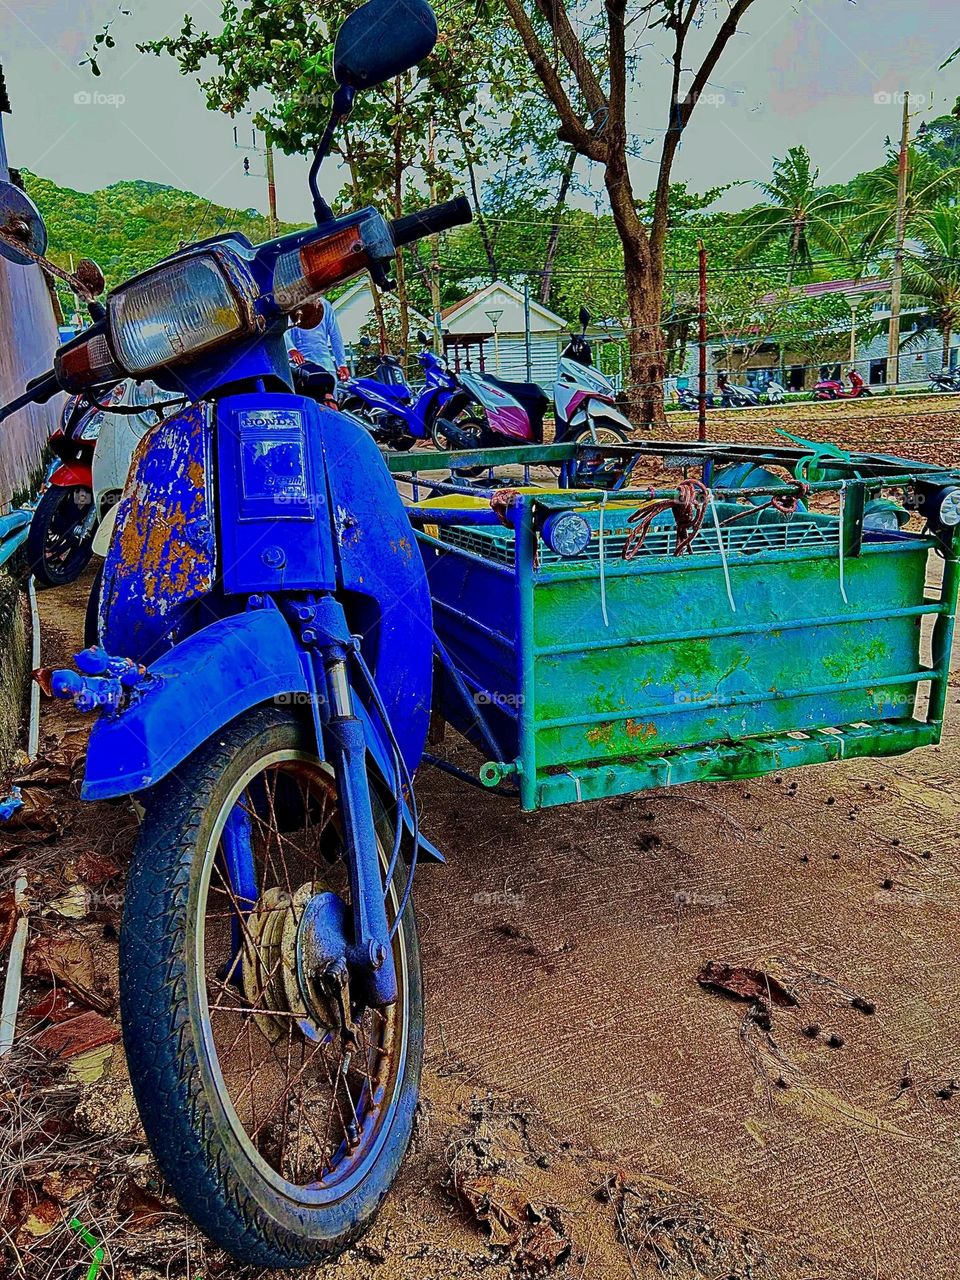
{"x":584,"y":406}
{"x":584,"y":401}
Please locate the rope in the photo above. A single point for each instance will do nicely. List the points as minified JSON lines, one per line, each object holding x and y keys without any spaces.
{"x":688,"y":511}
{"x":73,"y":282}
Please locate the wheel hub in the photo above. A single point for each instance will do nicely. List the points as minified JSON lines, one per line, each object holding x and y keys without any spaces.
{"x":284,"y":964}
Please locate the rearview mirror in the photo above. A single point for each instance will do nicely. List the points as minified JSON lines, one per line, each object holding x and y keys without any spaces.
{"x":20,"y":220}
{"x":381,"y":39}
{"x":90,"y":276}
{"x":585,"y":317}
{"x":422,"y":337}
{"x":365,"y":342}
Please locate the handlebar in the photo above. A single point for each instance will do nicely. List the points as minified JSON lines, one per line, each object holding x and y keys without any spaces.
{"x":39,"y":391}
{"x":428,"y":222}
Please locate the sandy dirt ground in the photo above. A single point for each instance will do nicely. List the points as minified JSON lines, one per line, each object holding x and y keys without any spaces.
{"x":635,"y":1122}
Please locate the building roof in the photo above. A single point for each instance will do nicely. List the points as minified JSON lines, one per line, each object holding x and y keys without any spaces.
{"x":849,"y":288}
{"x":510,"y":301}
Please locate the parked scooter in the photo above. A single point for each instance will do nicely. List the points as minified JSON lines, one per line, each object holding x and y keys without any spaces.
{"x":584,"y":401}
{"x":585,"y":407}
{"x":775,"y":392}
{"x":945,"y":380}
{"x":95,"y":445}
{"x":690,"y":399}
{"x":264,"y":687}
{"x":733,"y":396}
{"x":395,"y":416}
{"x":832,"y":389}
{"x":60,"y":539}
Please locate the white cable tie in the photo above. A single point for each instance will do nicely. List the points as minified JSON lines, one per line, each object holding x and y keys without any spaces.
{"x":722,"y":549}
{"x":843,"y":504}
{"x":603,"y":574}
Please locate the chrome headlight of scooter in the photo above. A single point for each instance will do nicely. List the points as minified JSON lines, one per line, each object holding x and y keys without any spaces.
{"x":181,"y":308}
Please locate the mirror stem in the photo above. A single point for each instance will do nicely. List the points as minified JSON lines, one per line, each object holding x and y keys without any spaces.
{"x":342,"y":104}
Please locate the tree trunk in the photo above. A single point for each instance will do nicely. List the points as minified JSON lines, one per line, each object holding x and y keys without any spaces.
{"x":947,"y":339}
{"x":399,"y":266}
{"x":347,"y":152}
{"x":554,"y":239}
{"x":480,"y":220}
{"x":644,"y":285}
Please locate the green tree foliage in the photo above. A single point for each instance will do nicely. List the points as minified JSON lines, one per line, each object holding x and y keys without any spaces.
{"x":874,"y":199}
{"x":800,"y":216}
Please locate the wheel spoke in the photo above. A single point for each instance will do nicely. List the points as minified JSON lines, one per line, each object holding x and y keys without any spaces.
{"x":307,"y":1106}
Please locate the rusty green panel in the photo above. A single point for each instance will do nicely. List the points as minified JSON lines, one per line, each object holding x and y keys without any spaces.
{"x":678,"y":667}
{"x":799,"y":653}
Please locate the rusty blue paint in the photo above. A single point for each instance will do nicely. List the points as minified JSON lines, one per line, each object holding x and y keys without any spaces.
{"x":163,"y":553}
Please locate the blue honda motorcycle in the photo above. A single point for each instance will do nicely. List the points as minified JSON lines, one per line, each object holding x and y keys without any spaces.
{"x":386,"y":404}
{"x":263,"y":685}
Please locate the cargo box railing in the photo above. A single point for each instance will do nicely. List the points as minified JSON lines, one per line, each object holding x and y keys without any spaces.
{"x":778,"y":639}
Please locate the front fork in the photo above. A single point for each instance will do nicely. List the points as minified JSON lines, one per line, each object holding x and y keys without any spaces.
{"x":332,"y":943}
{"x":369,"y":955}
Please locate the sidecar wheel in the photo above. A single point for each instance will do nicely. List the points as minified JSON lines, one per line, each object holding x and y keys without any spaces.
{"x":276,"y":1140}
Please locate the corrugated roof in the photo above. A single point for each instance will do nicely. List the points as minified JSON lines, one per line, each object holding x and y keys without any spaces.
{"x":850,"y":288}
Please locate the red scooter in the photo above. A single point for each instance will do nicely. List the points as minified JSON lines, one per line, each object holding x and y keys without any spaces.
{"x":60,"y":540}
{"x":831,"y":389}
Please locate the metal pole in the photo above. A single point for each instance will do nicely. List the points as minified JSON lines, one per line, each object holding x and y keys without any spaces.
{"x":526,"y":331}
{"x":702,"y":380}
{"x":896,"y":278}
{"x":434,"y":248}
{"x":271,"y":188}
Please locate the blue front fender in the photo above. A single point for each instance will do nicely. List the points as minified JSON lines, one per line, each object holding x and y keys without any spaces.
{"x":200,"y":685}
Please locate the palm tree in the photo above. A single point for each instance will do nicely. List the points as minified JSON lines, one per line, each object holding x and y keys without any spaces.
{"x":799,"y":215}
{"x":931,"y":272}
{"x":874,"y":221}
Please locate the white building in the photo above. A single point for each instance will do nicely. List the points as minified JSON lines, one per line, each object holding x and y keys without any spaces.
{"x":487,"y":331}
{"x":356,"y":315}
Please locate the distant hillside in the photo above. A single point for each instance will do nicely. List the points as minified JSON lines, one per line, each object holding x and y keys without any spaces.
{"x":130,"y":225}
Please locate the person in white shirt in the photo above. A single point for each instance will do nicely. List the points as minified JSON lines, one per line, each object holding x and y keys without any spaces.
{"x":315,"y":347}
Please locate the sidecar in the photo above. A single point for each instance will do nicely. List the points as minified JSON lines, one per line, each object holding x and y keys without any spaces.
{"x":809,"y":619}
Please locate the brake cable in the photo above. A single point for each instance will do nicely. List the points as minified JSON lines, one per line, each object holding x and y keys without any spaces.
{"x":406,"y":781}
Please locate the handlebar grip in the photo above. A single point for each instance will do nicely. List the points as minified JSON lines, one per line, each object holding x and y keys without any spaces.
{"x":428,"y":222}
{"x":43,"y":388}
{"x":39,"y":391}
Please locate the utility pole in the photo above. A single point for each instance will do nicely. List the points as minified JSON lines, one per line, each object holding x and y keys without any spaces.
{"x":896,"y":278}
{"x":702,"y":345}
{"x":434,"y":246}
{"x":271,"y":188}
{"x":526,"y":330}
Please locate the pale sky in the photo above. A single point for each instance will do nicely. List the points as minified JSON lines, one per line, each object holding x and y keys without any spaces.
{"x":825,"y":73}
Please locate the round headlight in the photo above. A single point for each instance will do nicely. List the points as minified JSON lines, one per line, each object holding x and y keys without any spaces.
{"x":566,"y":533}
{"x":950,"y":507}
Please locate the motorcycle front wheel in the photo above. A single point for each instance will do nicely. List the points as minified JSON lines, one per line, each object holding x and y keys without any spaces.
{"x":58,"y":549}
{"x":279,"y":1135}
